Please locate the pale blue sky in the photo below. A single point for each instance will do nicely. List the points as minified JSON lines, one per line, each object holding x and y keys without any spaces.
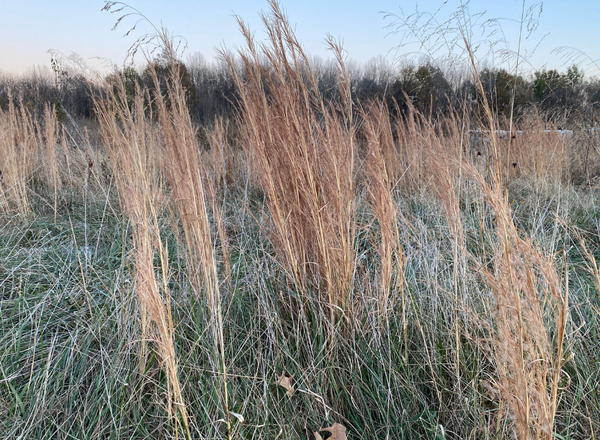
{"x":29,"y":28}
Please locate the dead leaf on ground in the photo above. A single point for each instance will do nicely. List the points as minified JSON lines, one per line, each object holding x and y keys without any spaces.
{"x":338,"y":432}
{"x":286,"y":382}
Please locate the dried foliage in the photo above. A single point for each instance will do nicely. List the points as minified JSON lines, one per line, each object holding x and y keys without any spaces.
{"x":286,"y":382}
{"x":382,"y":165}
{"x":18,"y":157}
{"x":529,"y":321}
{"x":132,"y":143}
{"x":338,"y":432}
{"x":456,"y":310}
{"x":303,"y":149}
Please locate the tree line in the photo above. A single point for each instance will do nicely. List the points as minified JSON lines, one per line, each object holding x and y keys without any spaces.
{"x":564,"y":98}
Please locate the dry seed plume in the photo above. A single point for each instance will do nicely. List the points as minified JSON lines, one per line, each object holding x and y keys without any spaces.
{"x":132,"y":143}
{"x":303,"y":150}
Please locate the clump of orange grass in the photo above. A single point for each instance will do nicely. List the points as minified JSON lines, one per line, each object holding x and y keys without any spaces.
{"x":531,"y":305}
{"x":223,"y":161}
{"x":529,"y":313}
{"x":192,"y":191}
{"x":381,"y":164}
{"x":132,"y":144}
{"x":445,"y":152}
{"x":18,"y":157}
{"x":526,"y":347}
{"x":538,"y":151}
{"x":47,"y":133}
{"x":303,"y":149}
{"x":222,"y":174}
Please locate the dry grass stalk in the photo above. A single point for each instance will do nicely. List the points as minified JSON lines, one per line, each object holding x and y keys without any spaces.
{"x":187,"y":178}
{"x":184,"y":170}
{"x":222,"y":159}
{"x":381,"y":156}
{"x":47,"y":137}
{"x":222,"y":176}
{"x":18,"y":157}
{"x":48,"y":140}
{"x":529,"y":299}
{"x":303,"y":149}
{"x":592,"y":265}
{"x":494,"y":164}
{"x":412,"y":146}
{"x":527,"y":353}
{"x":131,"y":141}
{"x":442,"y":161}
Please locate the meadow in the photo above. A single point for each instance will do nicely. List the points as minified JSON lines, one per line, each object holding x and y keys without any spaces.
{"x":314,"y":268}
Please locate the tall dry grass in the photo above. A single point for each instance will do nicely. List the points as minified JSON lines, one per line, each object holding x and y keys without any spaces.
{"x":133,"y":145}
{"x":48,"y":134}
{"x":445,"y":154}
{"x":41,"y":160}
{"x":530,"y":303}
{"x":381,"y":168}
{"x":50,"y":154}
{"x":303,"y":149}
{"x":18,"y":157}
{"x":468,"y":282}
{"x":223,"y":163}
{"x":530,"y":298}
{"x":194,"y":197}
{"x":412,"y":148}
{"x":224,"y":168}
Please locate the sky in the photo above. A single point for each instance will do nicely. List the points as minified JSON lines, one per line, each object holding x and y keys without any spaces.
{"x":30,"y":28}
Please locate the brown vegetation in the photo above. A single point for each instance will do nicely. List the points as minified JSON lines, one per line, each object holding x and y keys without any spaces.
{"x":342,"y":286}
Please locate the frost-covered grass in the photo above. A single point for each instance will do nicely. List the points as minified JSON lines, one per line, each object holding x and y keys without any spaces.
{"x":69,"y":345}
{"x":329,"y":265}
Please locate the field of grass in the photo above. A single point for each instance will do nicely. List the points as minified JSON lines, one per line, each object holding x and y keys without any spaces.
{"x":316,"y":264}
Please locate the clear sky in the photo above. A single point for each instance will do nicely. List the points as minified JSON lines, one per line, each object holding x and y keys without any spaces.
{"x":29,"y":28}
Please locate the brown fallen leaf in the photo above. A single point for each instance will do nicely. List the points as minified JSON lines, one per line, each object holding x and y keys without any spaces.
{"x":317,"y":435}
{"x":338,"y":432}
{"x":286,"y":382}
